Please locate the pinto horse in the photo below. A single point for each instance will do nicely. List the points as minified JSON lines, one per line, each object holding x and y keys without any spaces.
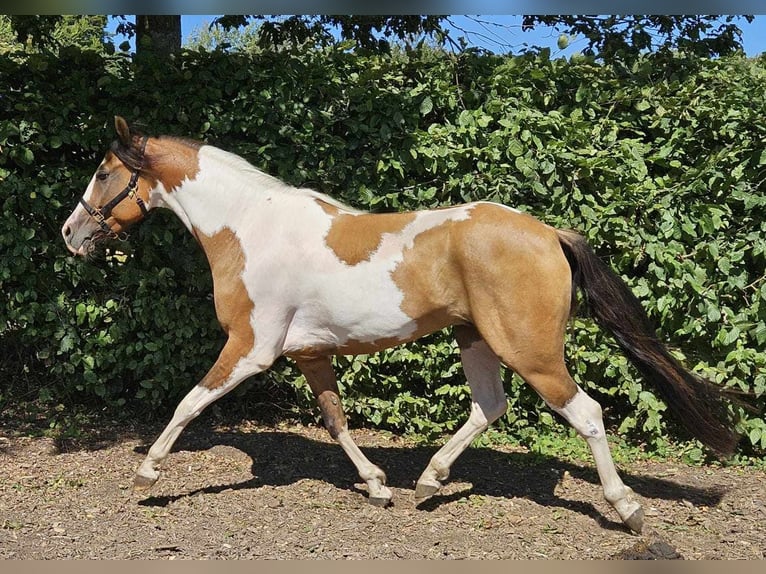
{"x":298,"y":274}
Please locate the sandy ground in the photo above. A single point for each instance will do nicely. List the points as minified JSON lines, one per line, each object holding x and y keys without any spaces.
{"x":288,"y":491}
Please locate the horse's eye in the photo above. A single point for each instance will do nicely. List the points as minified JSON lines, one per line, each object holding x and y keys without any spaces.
{"x":102,"y":175}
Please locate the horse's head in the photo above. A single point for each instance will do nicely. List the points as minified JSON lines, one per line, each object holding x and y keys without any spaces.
{"x":116,"y":197}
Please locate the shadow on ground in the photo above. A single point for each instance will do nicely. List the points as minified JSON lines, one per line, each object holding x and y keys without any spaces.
{"x":281,"y":458}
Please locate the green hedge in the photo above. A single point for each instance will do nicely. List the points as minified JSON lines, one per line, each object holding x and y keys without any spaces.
{"x":660,"y":165}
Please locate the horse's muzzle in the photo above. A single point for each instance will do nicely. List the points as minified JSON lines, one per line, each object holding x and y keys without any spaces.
{"x":76,"y":235}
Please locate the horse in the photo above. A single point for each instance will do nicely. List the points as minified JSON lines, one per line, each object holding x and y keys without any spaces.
{"x":299,"y":274}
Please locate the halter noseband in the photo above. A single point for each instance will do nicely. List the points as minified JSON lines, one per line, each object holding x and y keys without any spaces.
{"x":101,"y":214}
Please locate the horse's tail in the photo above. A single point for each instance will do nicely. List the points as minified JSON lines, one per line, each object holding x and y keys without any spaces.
{"x":696,"y":403}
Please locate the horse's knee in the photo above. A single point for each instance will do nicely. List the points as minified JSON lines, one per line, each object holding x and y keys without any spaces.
{"x":332,"y":413}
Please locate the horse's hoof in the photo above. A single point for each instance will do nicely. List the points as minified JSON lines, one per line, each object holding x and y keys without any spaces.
{"x":142,"y":483}
{"x":425,"y":490}
{"x":635,"y":521}
{"x":379,"y":501}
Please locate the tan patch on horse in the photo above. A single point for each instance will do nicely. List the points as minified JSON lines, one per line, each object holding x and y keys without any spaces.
{"x":233,"y":305}
{"x":173,"y":160}
{"x":431,"y":280}
{"x":355,"y":238}
{"x":505,"y":273}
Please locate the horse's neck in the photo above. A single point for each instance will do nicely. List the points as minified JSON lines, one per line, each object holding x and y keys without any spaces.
{"x":229,"y":193}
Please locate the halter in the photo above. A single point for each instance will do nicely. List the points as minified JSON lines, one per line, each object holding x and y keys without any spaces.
{"x":101,"y":214}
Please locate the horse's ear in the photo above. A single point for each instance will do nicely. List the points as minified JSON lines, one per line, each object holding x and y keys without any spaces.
{"x":123,"y":131}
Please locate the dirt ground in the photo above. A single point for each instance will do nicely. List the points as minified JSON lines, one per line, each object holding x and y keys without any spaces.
{"x":289,"y":492}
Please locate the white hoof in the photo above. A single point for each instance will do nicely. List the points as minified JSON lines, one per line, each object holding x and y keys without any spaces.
{"x":379,"y":493}
{"x":143,"y":482}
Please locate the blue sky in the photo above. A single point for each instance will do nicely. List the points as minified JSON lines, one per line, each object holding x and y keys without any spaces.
{"x":502,"y":33}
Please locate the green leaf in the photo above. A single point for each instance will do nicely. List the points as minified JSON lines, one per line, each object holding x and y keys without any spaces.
{"x":465,"y":118}
{"x":760,"y":333}
{"x":643,"y":105}
{"x":426,"y":106}
{"x":727,"y":337}
{"x":516,"y":148}
{"x":80,"y":312}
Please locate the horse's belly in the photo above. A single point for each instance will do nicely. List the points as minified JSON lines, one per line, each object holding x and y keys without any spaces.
{"x":349,"y":323}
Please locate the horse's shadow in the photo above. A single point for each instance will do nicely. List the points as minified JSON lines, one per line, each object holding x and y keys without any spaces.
{"x":281,"y":458}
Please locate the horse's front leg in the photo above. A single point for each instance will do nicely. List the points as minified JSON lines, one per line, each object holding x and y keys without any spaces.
{"x":235,"y":363}
{"x":321,"y":378}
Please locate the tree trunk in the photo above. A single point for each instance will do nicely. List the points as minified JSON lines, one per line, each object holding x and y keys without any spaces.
{"x":160,"y":35}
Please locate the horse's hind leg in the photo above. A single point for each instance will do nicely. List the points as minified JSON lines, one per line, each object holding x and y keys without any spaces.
{"x":521,"y":305}
{"x":584,"y":414}
{"x":482,"y":369}
{"x":542,"y":366}
{"x":321,"y":378}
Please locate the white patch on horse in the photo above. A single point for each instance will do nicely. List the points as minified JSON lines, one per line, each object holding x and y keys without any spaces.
{"x":79,"y":212}
{"x":339,"y":303}
{"x":233,"y":182}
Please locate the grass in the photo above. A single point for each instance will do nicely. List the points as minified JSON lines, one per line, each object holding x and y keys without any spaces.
{"x":568,"y":446}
